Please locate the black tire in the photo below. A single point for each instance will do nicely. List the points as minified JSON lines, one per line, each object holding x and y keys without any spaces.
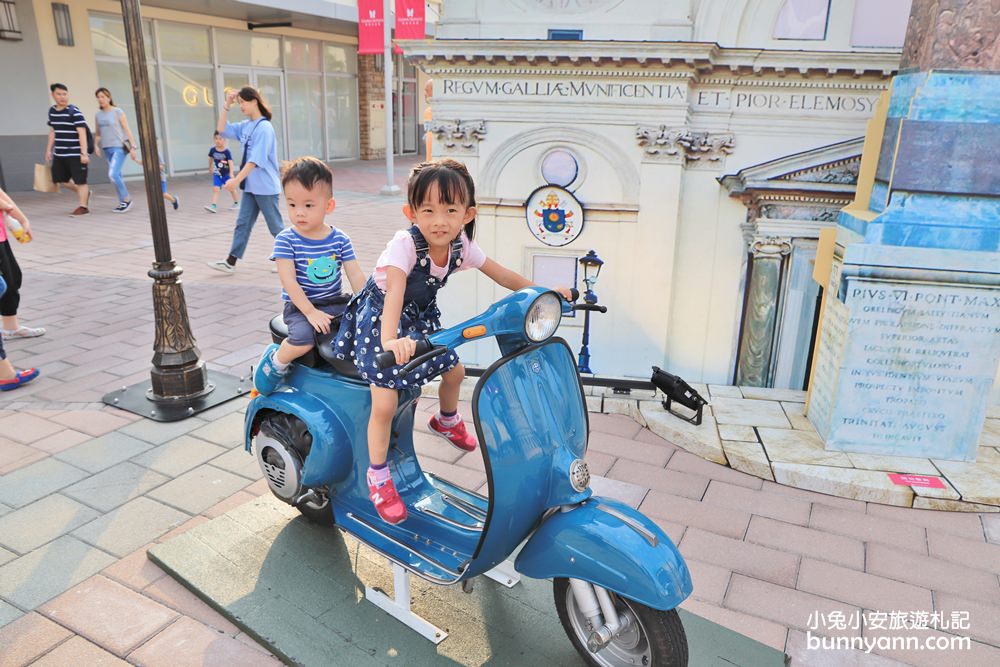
{"x":659,"y":638}
{"x":321,"y":516}
{"x":294,"y":435}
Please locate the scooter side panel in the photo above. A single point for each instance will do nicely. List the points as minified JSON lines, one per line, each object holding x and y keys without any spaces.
{"x":595,"y":545}
{"x":531,"y":418}
{"x":329,"y":459}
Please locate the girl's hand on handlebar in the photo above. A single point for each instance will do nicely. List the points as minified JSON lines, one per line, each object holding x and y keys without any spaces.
{"x":566,"y":293}
{"x":403,"y":348}
{"x":320,"y":321}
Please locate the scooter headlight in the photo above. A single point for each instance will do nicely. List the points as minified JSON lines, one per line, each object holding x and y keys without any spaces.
{"x":543,"y":317}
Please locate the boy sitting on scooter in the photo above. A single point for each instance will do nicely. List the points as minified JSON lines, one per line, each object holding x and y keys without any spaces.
{"x":311,"y":256}
{"x":398,"y":306}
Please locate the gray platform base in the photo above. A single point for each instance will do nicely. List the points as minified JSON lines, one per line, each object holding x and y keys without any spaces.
{"x":300,"y":591}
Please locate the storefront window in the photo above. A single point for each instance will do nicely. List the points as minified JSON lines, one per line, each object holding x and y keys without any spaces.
{"x":305,"y":114}
{"x":184,"y":43}
{"x":301,"y":54}
{"x":233,"y":48}
{"x":115,"y":76}
{"x":342,"y":116}
{"x":189,"y":110}
{"x":338,"y":58}
{"x":107,"y":34}
{"x":266,"y":51}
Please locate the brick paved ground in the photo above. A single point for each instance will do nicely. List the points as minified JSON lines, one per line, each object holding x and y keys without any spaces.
{"x":84,"y":489}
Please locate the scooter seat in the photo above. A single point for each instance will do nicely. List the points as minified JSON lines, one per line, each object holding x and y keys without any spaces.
{"x":322,"y":354}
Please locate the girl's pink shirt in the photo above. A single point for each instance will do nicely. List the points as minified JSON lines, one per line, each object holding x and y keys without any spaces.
{"x":3,"y":227}
{"x":402,"y":254}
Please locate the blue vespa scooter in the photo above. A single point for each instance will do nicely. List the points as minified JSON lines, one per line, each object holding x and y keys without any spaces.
{"x":617,"y":577}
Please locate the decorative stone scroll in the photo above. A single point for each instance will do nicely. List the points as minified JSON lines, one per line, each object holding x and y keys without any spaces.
{"x":663,"y":142}
{"x":458,"y":136}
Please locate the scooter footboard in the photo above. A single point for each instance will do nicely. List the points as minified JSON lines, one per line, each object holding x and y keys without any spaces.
{"x":613,"y":546}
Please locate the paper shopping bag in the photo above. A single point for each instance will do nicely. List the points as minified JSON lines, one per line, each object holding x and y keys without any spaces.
{"x":43,"y":179}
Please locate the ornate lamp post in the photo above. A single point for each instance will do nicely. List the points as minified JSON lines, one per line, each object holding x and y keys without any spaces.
{"x":591,"y":270}
{"x":180,"y":386}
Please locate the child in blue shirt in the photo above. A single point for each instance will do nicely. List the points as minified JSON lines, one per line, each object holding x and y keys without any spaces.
{"x":220,"y":161}
{"x":311,"y":256}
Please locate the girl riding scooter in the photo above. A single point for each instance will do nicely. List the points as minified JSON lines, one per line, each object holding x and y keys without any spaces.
{"x":398,"y":306}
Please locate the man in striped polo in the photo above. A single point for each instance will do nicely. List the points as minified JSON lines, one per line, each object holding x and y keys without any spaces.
{"x":67,"y":147}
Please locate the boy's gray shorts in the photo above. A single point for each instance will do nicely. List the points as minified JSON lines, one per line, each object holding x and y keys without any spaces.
{"x":300,"y":332}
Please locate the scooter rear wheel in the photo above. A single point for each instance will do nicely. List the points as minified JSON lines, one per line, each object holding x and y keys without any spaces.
{"x":656,"y":639}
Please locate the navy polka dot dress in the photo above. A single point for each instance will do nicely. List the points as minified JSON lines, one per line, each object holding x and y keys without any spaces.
{"x":359,"y":338}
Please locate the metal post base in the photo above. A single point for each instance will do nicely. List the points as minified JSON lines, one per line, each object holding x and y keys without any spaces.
{"x":138,"y":398}
{"x":505,"y":574}
{"x":399,"y":606}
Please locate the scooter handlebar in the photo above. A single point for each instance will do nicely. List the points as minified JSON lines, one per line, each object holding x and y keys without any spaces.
{"x":387,"y":359}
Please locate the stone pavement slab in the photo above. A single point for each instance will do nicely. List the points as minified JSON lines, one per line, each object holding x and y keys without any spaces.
{"x":35,"y":524}
{"x":36,"y":481}
{"x":8,"y":613}
{"x":158,"y":433}
{"x":103,"y":452}
{"x":27,"y":638}
{"x":115,"y":486}
{"x":239,"y":462}
{"x":128,"y":527}
{"x":178,"y":455}
{"x":47,"y":571}
{"x":187,"y":642}
{"x":78,"y":651}
{"x":197,"y":490}
{"x":107,"y":613}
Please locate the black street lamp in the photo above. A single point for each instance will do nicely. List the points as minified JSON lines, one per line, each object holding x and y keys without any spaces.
{"x":179,"y":385}
{"x":591,"y":270}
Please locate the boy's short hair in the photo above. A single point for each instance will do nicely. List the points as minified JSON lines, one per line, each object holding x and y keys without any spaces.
{"x":58,"y":86}
{"x":217,"y":134}
{"x":307,"y":172}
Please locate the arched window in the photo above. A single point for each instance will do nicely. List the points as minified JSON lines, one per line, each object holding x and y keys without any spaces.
{"x":802,"y":19}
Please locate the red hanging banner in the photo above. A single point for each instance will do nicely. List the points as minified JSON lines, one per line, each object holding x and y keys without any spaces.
{"x":371,"y":35}
{"x":410,"y":19}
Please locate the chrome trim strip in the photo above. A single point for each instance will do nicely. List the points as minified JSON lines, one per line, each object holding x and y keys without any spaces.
{"x":463,"y":506}
{"x":451,"y":522}
{"x":631,"y":523}
{"x":407,"y":566}
{"x":460,"y":488}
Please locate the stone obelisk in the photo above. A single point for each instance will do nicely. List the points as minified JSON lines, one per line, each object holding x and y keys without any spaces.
{"x":910,"y":335}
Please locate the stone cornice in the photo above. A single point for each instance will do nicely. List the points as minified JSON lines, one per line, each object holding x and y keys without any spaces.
{"x":696,"y":58}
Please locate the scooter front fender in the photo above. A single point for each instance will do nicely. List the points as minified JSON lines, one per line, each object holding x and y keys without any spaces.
{"x":329,"y":459}
{"x":611,"y":545}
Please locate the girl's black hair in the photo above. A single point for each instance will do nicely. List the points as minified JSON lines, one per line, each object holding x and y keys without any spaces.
{"x":102,"y":89}
{"x":454,"y":184}
{"x":249,"y":93}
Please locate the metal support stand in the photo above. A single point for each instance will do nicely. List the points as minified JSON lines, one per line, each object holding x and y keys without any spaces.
{"x":504,"y":574}
{"x":399,"y":606}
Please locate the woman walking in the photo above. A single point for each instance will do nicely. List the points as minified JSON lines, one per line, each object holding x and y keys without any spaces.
{"x":258,"y":174}
{"x":114,"y":138}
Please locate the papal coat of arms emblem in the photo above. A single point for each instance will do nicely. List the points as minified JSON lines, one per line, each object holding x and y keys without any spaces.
{"x":554,"y":215}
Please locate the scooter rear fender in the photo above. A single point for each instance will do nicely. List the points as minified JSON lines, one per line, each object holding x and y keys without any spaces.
{"x":329,"y":459}
{"x":611,"y":545}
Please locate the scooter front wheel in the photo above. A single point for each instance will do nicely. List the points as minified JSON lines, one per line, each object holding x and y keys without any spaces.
{"x":652,"y":637}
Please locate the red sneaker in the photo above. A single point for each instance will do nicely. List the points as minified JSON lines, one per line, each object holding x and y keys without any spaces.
{"x":386,"y":499}
{"x":457,"y":435}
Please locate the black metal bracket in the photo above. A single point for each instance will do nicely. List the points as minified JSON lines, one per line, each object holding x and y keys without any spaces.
{"x":695,"y":419}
